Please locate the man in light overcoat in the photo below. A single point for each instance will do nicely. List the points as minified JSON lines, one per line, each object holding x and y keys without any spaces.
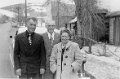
{"x":50,"y":38}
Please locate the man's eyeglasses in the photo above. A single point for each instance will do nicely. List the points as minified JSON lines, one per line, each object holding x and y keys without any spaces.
{"x":32,"y":24}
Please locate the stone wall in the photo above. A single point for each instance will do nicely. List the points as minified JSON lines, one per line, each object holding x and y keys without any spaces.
{"x":102,"y":67}
{"x":110,"y":51}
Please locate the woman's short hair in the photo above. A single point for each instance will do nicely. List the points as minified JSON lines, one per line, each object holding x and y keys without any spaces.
{"x":66,"y":31}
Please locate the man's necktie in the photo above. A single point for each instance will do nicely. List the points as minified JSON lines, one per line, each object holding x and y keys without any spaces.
{"x":29,"y":39}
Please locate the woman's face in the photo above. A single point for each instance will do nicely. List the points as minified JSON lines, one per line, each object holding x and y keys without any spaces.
{"x":65,"y":38}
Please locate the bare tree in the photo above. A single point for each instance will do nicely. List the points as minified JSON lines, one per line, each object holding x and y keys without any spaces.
{"x":19,"y":18}
{"x":88,"y":19}
{"x":89,"y":22}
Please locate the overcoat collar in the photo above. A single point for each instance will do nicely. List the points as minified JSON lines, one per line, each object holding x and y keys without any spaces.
{"x":67,"y":45}
{"x":26,"y":34}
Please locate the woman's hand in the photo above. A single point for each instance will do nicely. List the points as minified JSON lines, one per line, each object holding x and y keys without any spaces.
{"x":53,"y":68}
{"x":75,"y":66}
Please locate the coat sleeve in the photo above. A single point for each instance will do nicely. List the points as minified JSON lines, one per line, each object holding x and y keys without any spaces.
{"x":79,"y":57}
{"x":53,"y":59}
{"x":42,"y":54}
{"x":17,"y":53}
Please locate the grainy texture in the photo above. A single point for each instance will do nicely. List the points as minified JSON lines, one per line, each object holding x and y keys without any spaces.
{"x":102,"y":67}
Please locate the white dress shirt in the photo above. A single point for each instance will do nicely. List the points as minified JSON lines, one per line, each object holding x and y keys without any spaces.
{"x":51,"y":35}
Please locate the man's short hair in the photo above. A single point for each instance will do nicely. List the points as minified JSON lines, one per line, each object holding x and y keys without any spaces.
{"x":31,"y":18}
{"x":50,"y":23}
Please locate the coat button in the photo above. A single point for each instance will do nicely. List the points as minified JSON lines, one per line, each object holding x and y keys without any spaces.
{"x":66,"y":56}
{"x":64,"y":63}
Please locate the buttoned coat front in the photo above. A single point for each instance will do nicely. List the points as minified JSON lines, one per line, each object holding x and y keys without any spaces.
{"x":72,"y":59}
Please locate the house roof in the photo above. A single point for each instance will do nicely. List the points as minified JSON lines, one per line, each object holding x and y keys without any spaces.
{"x":73,"y":20}
{"x":113,"y":14}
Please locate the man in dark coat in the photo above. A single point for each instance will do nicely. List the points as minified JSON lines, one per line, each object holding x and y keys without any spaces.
{"x":29,"y":52}
{"x":50,"y":38}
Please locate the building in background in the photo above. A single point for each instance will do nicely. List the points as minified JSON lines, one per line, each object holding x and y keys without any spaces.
{"x":49,"y":10}
{"x":114,"y":27}
{"x":62,"y":13}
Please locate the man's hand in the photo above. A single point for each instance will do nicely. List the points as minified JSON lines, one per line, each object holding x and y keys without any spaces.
{"x":42,"y":71}
{"x":18,"y":72}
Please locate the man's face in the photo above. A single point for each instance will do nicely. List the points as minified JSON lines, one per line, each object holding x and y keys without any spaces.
{"x":50,"y":28}
{"x":31,"y":25}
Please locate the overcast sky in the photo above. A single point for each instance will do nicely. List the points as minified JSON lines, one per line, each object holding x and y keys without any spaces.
{"x":11,"y":2}
{"x":111,"y":5}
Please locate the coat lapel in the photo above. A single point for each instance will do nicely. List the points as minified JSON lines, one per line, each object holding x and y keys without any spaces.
{"x":47,"y":39}
{"x":56,"y":39}
{"x":46,"y":36}
{"x":68,"y":45}
{"x":25,"y":39}
{"x":66,"y":49}
{"x":34,"y":40}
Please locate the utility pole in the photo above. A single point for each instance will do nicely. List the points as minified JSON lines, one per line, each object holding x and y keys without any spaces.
{"x":25,"y":13}
{"x":58,"y":3}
